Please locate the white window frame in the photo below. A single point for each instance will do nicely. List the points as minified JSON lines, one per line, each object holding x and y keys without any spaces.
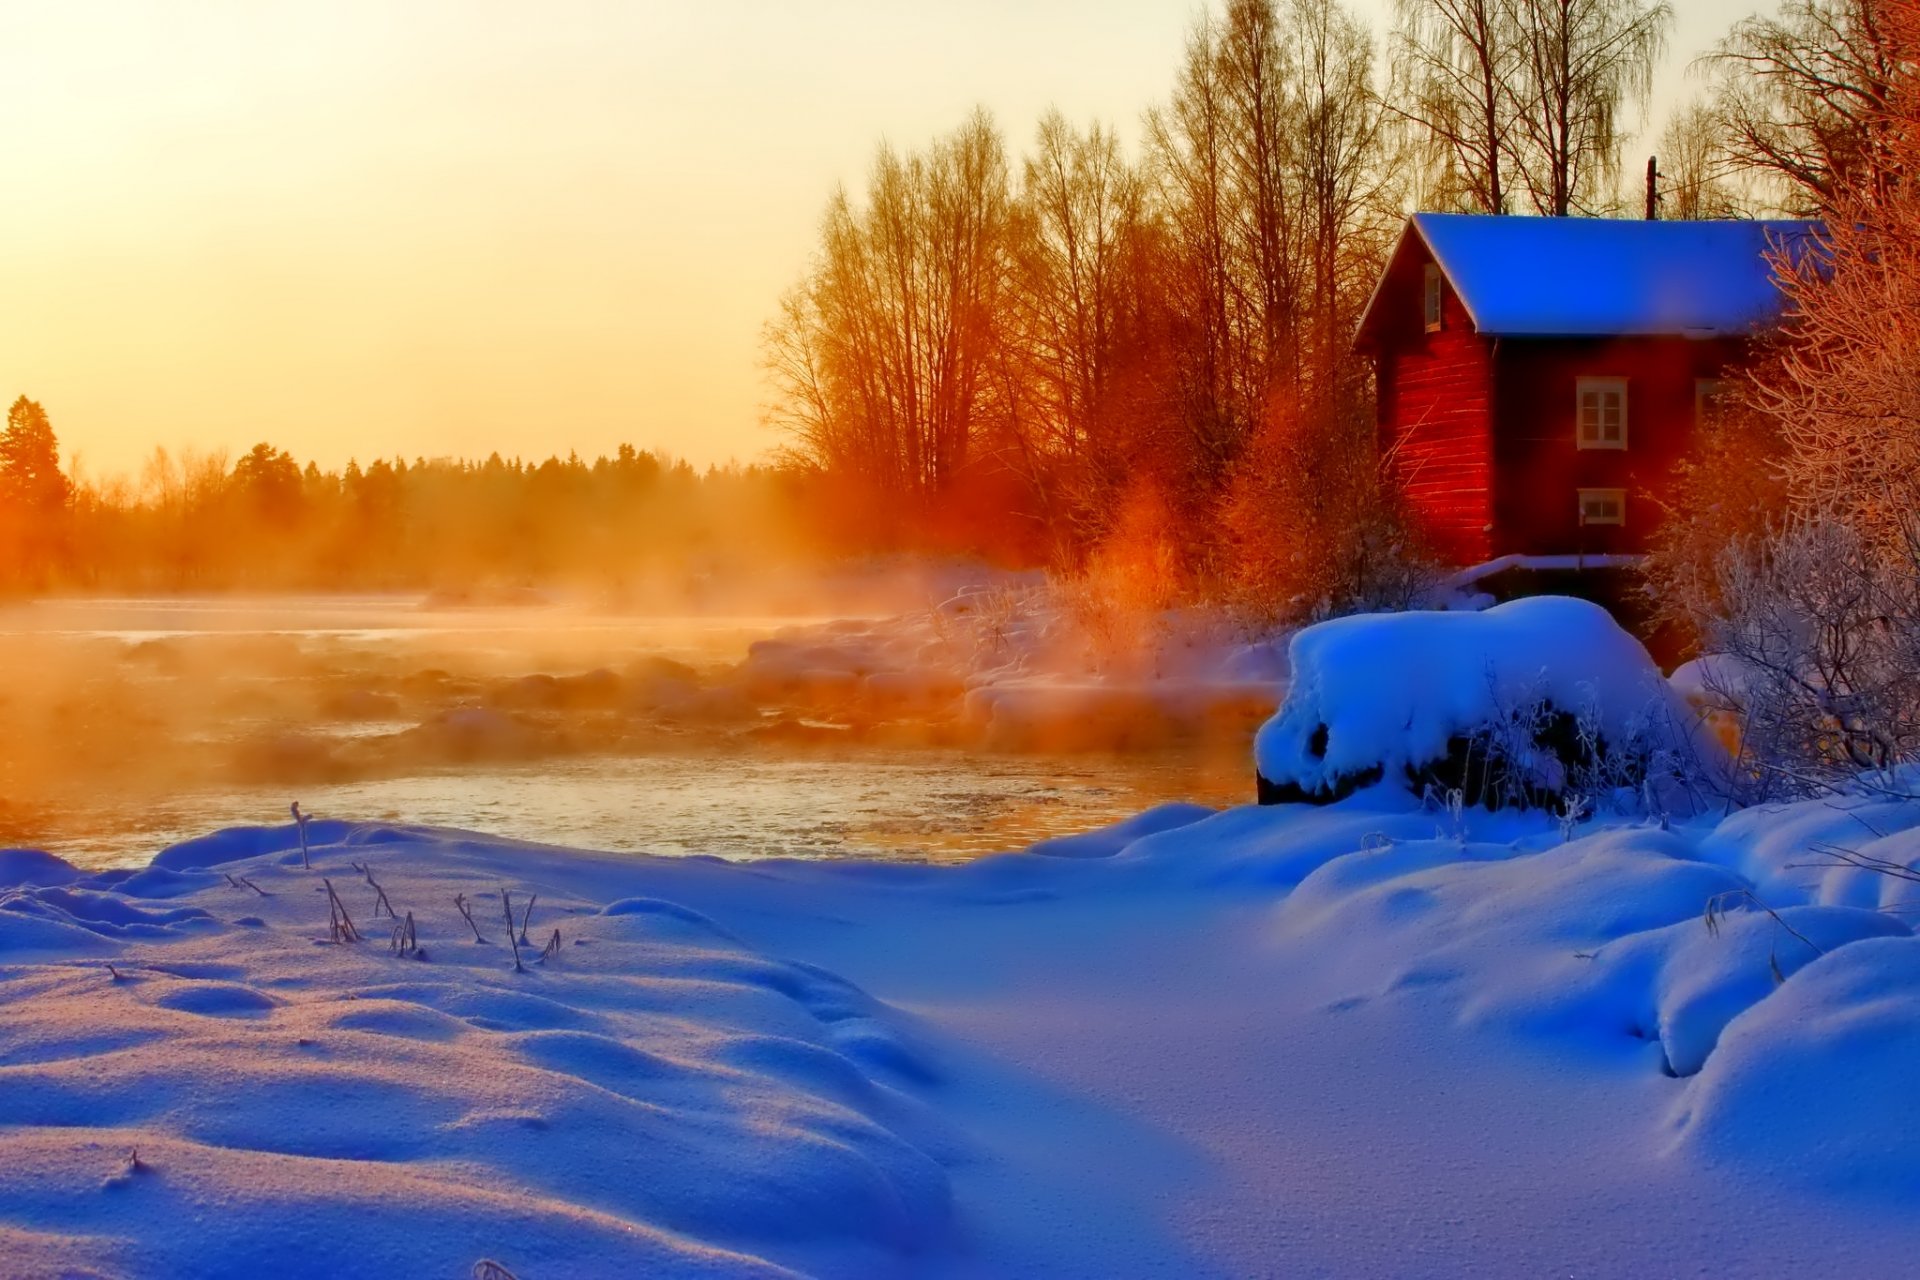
{"x":1598,"y":386}
{"x":1433,"y":310}
{"x":1705,"y":392}
{"x":1616,"y":496}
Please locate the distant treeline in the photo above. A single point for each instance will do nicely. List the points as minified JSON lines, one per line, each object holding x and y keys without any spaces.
{"x":198,"y":522}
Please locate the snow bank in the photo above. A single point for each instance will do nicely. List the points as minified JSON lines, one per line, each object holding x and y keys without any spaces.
{"x":1015,"y":670}
{"x":1412,"y":698}
{"x":1815,"y":1085}
{"x":713,"y":1073}
{"x":236,"y":1092}
{"x":1790,"y":1021}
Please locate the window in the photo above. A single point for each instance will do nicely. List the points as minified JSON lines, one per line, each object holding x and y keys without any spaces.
{"x":1706,"y":394}
{"x":1603,"y":506}
{"x":1602,"y":413}
{"x":1430,"y":296}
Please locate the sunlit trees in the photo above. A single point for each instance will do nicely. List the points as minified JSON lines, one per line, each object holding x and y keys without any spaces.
{"x":1580,"y":63}
{"x":1077,"y":298}
{"x":34,"y":495}
{"x":1453,"y":62}
{"x":1339,"y":162}
{"x":1101,"y":338}
{"x":883,"y":356}
{"x":1803,"y":576}
{"x":1698,"y":176}
{"x":1519,"y":100}
{"x":192,"y":522}
{"x":1800,"y":96}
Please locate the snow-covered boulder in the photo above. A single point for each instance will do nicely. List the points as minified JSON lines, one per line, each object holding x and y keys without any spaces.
{"x":1516,"y":704}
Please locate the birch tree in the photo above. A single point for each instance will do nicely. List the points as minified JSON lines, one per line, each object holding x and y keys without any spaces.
{"x":1579,"y":64}
{"x":1452,"y":61}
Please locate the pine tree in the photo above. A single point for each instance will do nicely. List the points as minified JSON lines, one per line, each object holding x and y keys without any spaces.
{"x":30,"y":475}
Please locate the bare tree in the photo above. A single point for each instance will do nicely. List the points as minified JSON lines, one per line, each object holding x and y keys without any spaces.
{"x":1801,"y":96}
{"x":1815,"y":645}
{"x":1580,"y":62}
{"x":1451,"y":63}
{"x":1078,"y":203}
{"x":1257,"y":77}
{"x":881,"y":357}
{"x":1189,"y":146}
{"x":1700,"y":179}
{"x":1338,"y":152}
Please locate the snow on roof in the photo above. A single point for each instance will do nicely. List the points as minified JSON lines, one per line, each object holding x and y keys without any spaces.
{"x":1574,"y":277}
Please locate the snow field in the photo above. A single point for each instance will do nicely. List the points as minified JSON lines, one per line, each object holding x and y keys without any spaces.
{"x":667,"y":1093}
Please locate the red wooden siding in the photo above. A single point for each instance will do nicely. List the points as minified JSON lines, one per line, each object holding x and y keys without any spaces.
{"x":1436,"y":412}
{"x":1539,"y":468}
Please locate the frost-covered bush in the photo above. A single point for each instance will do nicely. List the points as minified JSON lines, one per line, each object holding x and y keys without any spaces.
{"x":1313,"y":525}
{"x":1540,"y":702}
{"x":1811,"y":655}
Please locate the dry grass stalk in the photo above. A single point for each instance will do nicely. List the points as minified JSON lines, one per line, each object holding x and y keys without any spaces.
{"x":242,"y":882}
{"x":460,"y":901}
{"x":513,"y":939}
{"x":340,"y":925}
{"x":300,"y":820}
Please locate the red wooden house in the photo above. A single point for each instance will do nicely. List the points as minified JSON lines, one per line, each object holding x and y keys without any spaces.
{"x":1539,"y":377}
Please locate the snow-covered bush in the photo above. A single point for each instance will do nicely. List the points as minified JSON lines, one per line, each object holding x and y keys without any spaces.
{"x":1539,"y":702}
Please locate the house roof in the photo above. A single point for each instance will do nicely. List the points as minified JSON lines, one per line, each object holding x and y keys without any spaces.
{"x":1593,"y":277}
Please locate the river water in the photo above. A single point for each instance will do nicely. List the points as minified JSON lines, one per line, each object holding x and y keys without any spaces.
{"x":132,"y":724}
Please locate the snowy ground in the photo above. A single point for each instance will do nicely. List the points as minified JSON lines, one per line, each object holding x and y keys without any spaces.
{"x":1365,"y":1040}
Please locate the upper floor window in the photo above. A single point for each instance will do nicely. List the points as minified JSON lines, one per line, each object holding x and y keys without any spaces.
{"x":1430,"y":298}
{"x":1601,"y":411}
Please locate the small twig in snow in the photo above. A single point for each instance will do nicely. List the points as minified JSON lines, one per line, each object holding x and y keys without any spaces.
{"x":526,"y":916}
{"x":242,"y":882}
{"x":552,"y":948}
{"x":405,"y":941}
{"x":380,"y":903}
{"x":1717,"y":910}
{"x":506,"y":904}
{"x":300,"y":820}
{"x":460,"y":901}
{"x":1840,"y":856}
{"x":339,"y":923}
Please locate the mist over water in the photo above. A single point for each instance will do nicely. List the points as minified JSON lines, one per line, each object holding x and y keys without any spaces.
{"x":134,"y":723}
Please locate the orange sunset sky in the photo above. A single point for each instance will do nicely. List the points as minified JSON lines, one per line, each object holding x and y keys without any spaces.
{"x":430,"y":227}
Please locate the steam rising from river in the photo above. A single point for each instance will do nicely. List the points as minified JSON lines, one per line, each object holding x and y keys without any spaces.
{"x":127,"y":719}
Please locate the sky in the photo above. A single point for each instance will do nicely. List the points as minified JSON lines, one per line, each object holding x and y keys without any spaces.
{"x":370,"y":228}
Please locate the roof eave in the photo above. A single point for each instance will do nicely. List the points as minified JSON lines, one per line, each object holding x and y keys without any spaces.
{"x":1361,"y":338}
